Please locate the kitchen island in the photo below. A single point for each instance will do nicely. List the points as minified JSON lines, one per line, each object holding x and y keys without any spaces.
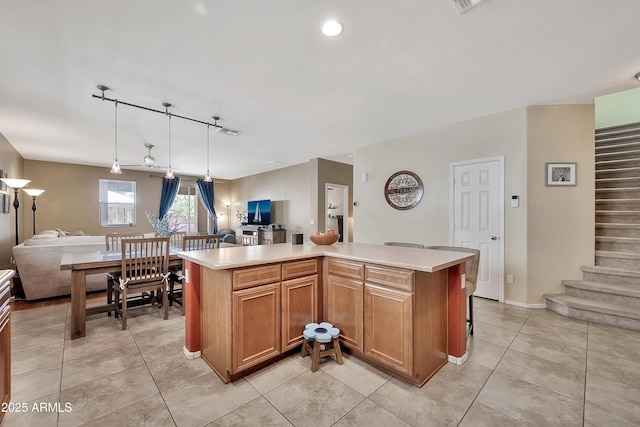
{"x":402,"y":309}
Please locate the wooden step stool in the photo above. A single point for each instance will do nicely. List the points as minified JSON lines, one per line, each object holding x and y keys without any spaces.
{"x":317,"y":335}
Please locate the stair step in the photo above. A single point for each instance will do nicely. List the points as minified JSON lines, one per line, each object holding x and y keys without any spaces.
{"x":618,"y":147}
{"x":615,"y":259}
{"x":631,"y":172}
{"x":618,"y":244}
{"x":626,"y":163}
{"x":612,"y":293}
{"x":612,"y":275}
{"x":619,"y":217}
{"x":632,"y":181}
{"x":624,"y":151}
{"x":622,"y":193}
{"x":617,"y":230}
{"x":618,"y":204}
{"x":594,"y":311}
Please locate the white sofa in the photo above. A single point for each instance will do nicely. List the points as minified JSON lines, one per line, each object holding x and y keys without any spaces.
{"x":38,"y":262}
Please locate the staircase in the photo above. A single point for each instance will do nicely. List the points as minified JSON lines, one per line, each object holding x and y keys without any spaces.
{"x":610,"y":291}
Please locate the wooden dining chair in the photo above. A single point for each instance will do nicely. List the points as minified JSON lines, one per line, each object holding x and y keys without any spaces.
{"x":112,"y":242}
{"x":145,"y":268}
{"x":471,"y":276}
{"x":190,"y":243}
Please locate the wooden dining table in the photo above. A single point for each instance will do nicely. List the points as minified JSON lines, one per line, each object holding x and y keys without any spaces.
{"x":84,"y":264}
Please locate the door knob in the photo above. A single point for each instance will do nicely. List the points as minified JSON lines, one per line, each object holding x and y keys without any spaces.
{"x":494,"y":237}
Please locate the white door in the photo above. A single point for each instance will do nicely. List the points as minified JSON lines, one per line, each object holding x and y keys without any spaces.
{"x":478,"y":219}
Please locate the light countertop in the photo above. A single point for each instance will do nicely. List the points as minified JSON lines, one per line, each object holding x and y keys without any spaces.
{"x":243,"y":256}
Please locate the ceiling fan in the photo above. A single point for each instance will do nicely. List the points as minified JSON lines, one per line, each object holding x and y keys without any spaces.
{"x":149,"y":161}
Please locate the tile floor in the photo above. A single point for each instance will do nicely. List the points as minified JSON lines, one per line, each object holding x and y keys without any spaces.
{"x":526,"y":367}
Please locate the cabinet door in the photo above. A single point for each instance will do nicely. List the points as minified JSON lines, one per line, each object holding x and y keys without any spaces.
{"x":256,"y":325}
{"x":298,"y":309}
{"x":344,"y":309}
{"x":388,"y":317}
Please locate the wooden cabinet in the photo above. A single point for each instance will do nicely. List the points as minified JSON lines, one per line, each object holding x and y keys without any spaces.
{"x":5,"y":338}
{"x":389,"y":328}
{"x":256,"y":325}
{"x":299,"y":300}
{"x":393,"y":317}
{"x":388,"y":311}
{"x":251,"y":315}
{"x":344,"y":308}
{"x":252,"y":235}
{"x":298,"y":309}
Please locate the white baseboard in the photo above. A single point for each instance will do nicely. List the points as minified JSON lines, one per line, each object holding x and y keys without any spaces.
{"x":189,"y":354}
{"x":459,"y":360}
{"x":520,"y":304}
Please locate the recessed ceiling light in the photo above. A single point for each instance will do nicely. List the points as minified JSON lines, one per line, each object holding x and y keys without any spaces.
{"x":331,"y":28}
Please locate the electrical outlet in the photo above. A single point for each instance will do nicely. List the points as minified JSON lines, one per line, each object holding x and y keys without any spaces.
{"x":509,"y":278}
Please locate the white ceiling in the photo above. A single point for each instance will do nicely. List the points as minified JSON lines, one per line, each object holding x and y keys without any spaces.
{"x":399,"y":67}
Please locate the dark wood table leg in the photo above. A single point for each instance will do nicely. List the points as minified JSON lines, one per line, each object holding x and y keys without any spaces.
{"x":78,"y":304}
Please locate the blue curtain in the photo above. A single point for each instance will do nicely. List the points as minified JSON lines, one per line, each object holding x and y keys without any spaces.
{"x":206,"y":193}
{"x":169,"y":191}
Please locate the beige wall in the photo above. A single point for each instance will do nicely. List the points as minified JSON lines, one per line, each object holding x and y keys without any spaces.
{"x":429,"y":154}
{"x":70,"y":200}
{"x":561,"y":220}
{"x":288,"y":190}
{"x":12,"y":163}
{"x":296,"y":193}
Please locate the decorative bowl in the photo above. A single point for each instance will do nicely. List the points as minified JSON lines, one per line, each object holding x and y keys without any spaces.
{"x":324,"y":239}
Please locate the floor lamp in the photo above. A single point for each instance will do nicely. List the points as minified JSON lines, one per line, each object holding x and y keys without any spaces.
{"x":33,"y":193}
{"x":16,"y":184}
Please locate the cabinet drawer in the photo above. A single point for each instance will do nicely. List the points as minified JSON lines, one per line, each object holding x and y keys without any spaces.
{"x":352,"y":270}
{"x":255,"y":276}
{"x":293,"y":269}
{"x":389,"y":276}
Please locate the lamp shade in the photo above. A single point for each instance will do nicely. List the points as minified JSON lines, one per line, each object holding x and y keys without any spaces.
{"x":33,"y":192}
{"x":15,"y":183}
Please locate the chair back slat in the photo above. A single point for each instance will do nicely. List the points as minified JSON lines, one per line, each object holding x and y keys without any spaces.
{"x":113,"y":240}
{"x":207,"y":241}
{"x":176,"y":238}
{"x":145,"y":259}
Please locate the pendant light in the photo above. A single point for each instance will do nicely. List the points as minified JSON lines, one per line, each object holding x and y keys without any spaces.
{"x":169,"y":174}
{"x":115,"y":168}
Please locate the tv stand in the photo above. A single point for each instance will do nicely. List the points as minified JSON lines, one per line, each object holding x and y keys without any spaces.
{"x":252,"y":235}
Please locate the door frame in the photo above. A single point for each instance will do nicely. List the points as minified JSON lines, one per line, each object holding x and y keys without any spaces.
{"x":501,"y":236}
{"x":345,"y":203}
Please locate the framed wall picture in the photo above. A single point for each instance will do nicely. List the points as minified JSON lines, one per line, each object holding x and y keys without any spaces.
{"x":561,"y":174}
{"x":403,"y":190}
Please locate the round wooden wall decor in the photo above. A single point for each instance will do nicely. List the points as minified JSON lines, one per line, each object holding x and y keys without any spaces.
{"x":403,"y":190}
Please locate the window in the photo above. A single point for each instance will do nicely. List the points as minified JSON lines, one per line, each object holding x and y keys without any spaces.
{"x":117,"y":203}
{"x":184,"y":209}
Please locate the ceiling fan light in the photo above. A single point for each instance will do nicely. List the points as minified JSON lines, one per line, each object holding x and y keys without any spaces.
{"x":115,"y":168}
{"x":207,"y":177}
{"x":169,"y":174}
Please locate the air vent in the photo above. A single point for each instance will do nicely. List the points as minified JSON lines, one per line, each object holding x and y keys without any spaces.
{"x":227,"y":131}
{"x":464,"y":5}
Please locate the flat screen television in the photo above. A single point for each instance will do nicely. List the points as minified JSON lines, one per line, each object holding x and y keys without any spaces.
{"x":259,"y":212}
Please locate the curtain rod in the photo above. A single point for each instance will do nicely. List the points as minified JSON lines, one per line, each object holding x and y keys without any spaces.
{"x":166,"y":112}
